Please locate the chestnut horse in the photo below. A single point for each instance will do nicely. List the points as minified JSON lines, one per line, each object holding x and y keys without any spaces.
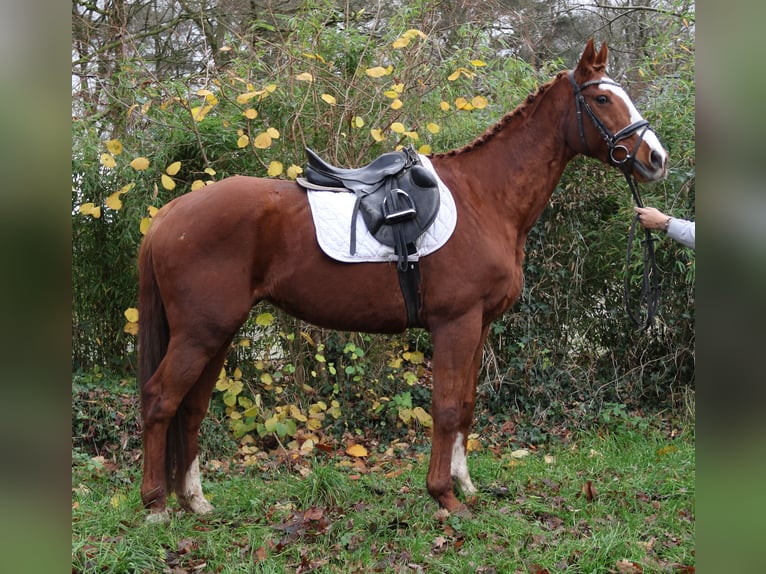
{"x":212,"y":254}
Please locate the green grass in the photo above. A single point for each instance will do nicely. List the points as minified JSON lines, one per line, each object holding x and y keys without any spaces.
{"x":532,"y":514}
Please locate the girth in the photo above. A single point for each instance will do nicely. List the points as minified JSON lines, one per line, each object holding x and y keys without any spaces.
{"x":398,"y":199}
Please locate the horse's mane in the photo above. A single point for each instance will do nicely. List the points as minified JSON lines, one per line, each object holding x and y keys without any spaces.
{"x":504,"y":122}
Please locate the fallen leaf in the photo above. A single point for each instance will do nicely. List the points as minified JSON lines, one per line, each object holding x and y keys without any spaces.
{"x":588,"y":491}
{"x":356,"y":450}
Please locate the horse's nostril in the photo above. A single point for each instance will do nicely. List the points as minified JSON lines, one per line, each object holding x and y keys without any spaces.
{"x":657,"y":159}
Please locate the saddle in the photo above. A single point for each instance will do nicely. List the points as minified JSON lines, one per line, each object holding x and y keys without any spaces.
{"x":397,"y":197}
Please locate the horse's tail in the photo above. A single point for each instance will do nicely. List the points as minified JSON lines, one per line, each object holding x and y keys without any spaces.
{"x":153,"y":338}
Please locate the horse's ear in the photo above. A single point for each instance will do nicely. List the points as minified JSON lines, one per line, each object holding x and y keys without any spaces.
{"x":590,"y":61}
{"x":599,"y":64}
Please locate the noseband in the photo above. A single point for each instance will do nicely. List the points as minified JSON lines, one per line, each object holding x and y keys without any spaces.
{"x":650,"y":284}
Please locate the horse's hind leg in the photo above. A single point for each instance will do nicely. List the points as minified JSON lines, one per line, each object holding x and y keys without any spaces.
{"x":195,"y":406}
{"x":161,"y":397}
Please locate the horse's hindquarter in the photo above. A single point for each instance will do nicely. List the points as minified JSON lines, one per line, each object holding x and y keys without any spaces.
{"x":254,"y":237}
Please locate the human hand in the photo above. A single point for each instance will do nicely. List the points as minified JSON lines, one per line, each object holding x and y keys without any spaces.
{"x":652,"y":218}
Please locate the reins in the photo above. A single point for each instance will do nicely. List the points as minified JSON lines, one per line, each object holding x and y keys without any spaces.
{"x":649,"y":296}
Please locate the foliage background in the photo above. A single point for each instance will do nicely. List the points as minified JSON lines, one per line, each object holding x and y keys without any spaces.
{"x":200,"y":83}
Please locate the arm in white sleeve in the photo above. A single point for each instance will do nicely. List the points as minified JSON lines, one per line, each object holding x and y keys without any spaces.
{"x":682,"y":231}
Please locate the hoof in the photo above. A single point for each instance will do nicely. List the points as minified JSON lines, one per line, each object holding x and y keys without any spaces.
{"x":462,"y":511}
{"x":158,"y":517}
{"x":196,"y":504}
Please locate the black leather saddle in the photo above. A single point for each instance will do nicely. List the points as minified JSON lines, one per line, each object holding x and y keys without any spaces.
{"x":397,"y":197}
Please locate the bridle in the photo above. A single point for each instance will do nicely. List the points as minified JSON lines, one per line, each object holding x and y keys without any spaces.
{"x":650,"y":282}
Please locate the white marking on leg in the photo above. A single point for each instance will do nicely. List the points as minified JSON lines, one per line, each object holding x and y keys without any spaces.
{"x":459,"y":467}
{"x":192,"y":497}
{"x":161,"y":517}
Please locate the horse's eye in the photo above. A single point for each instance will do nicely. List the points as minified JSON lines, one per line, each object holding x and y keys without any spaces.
{"x":602,"y":99}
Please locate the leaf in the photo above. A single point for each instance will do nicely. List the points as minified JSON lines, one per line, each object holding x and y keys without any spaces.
{"x":479,"y":102}
{"x":425,"y":149}
{"x":294,"y":171}
{"x":397,"y":127}
{"x":131,"y":314}
{"x":329,"y":99}
{"x":210,"y":171}
{"x":400,"y":43}
{"x":114,"y":147}
{"x":356,"y":450}
{"x":433,"y":128}
{"x":520,"y":453}
{"x":304,"y":77}
{"x":140,"y":163}
{"x":118,"y":500}
{"x":414,"y":357}
{"x":262,"y":141}
{"x":173,"y":168}
{"x":444,"y":106}
{"x":264,"y":319}
{"x":377,"y":134}
{"x":197,"y":184}
{"x":379,"y":71}
{"x":130,"y":328}
{"x":588,"y":491}
{"x":144,"y":225}
{"x":243,"y":141}
{"x":167,"y":182}
{"x":107,"y":160}
{"x":357,"y":122}
{"x":273,"y":132}
{"x":114,"y":202}
{"x":478,"y":63}
{"x":90,"y":209}
{"x":423,"y":417}
{"x":250,"y":113}
{"x":275,"y":169}
{"x":396,"y":104}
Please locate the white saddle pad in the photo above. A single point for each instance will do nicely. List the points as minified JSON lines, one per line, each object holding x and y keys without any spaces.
{"x":332,"y":218}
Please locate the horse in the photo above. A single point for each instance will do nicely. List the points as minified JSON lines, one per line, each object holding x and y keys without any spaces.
{"x":212,"y":254}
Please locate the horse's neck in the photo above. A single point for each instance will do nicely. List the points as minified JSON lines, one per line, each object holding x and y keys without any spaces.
{"x":518,"y":167}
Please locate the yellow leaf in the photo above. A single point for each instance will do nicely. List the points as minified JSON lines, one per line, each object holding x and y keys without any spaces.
{"x":423,"y":417}
{"x":305,"y":77}
{"x":242,"y":141}
{"x":244,"y":342}
{"x":107,"y":160}
{"x":264,"y":319}
{"x":140,"y":164}
{"x":357,"y":122}
{"x":463,"y":104}
{"x":90,"y":209}
{"x":173,"y":168}
{"x":250,"y":113}
{"x":118,"y":500}
{"x":379,"y":71}
{"x":197,"y":184}
{"x":377,"y":134}
{"x":199,"y":112}
{"x":396,"y":104}
{"x":144,"y":226}
{"x":130,"y":328}
{"x":308,"y":445}
{"x":273,"y":132}
{"x":128,"y":187}
{"x":413,"y":33}
{"x":454,"y":76}
{"x":393,"y":94}
{"x":246,"y":97}
{"x":275,"y":169}
{"x":473,"y":445}
{"x":478,"y":63}
{"x":411,"y":135}
{"x":210,"y":171}
{"x":296,"y":413}
{"x":397,"y":127}
{"x":237,"y":373}
{"x":414,"y":357}
{"x":433,"y":128}
{"x":401,"y":42}
{"x":444,"y":106}
{"x":262,"y":141}
{"x":114,"y":202}
{"x":114,"y":147}
{"x":479,"y":102}
{"x":425,"y":149}
{"x":329,"y":99}
{"x":152,"y":210}
{"x":167,"y":182}
{"x":294,"y":171}
{"x":266,"y":379}
{"x":356,"y":450}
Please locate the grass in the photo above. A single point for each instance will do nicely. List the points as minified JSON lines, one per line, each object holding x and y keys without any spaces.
{"x":619,"y":501}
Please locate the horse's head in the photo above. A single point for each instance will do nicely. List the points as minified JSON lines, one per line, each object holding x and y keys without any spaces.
{"x":609,"y":126}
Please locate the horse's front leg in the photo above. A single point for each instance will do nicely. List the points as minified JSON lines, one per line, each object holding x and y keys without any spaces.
{"x":456,"y":360}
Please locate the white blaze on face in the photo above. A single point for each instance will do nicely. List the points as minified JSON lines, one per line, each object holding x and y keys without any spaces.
{"x":650,"y":137}
{"x":192,"y":497}
{"x":459,"y":466}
